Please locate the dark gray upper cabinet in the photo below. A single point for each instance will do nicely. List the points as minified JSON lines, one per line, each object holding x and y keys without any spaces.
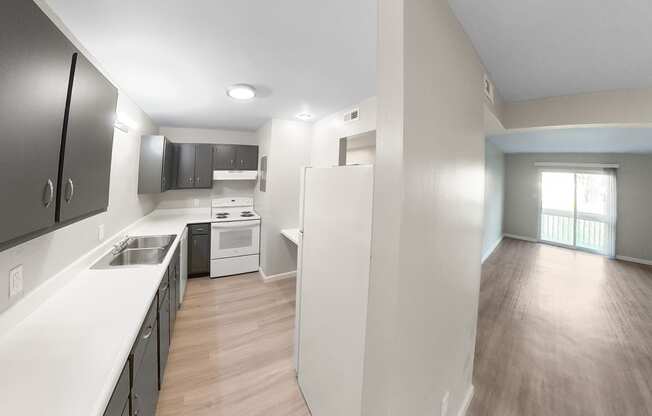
{"x":203,"y":166}
{"x":235,"y":157}
{"x":157,"y":169}
{"x":247,"y":157}
{"x":169,"y":166}
{"x":186,"y":165}
{"x":224,"y":157}
{"x":35,"y":61}
{"x":87,"y":143}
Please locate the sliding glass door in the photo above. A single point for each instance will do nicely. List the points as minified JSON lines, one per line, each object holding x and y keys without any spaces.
{"x":578,"y":209}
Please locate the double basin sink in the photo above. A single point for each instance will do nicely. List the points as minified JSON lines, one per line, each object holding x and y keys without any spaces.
{"x":137,"y":251}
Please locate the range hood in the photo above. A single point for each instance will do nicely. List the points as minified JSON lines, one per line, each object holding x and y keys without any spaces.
{"x":235,"y":175}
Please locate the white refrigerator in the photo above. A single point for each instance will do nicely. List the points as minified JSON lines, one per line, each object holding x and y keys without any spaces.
{"x":333,"y":284}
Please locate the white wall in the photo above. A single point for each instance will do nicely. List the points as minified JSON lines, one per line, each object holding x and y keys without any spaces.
{"x":634,"y":226}
{"x":494,"y":199}
{"x":185,"y":198}
{"x":45,"y":256}
{"x":427,"y":246}
{"x":609,"y":107}
{"x":328,"y":131}
{"x":287,"y":147}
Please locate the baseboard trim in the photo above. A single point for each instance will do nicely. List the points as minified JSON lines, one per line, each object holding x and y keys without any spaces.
{"x":520,"y":237}
{"x":634,"y":260}
{"x":467,"y":401}
{"x":274,"y":277}
{"x":493,"y":248}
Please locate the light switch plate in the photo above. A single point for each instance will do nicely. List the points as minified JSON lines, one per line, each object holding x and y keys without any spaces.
{"x":100,"y":232}
{"x":16,"y":281}
{"x":195,"y":203}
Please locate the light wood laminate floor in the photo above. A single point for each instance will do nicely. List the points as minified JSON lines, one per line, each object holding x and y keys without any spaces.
{"x":562,"y":333}
{"x":231,"y":352}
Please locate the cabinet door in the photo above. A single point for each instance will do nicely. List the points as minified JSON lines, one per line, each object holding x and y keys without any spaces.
{"x":163,"y":335}
{"x":145,"y":387}
{"x":120,"y":397}
{"x":203,"y":166}
{"x":200,"y":254}
{"x":35,"y":60}
{"x":224,"y":157}
{"x":177,"y":259}
{"x":185,"y":165}
{"x":88,"y":143}
{"x":169,"y":166}
{"x":247,"y":158}
{"x":173,"y":294}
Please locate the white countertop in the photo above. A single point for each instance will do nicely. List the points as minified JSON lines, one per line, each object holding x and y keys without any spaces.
{"x":65,"y":357}
{"x":291,"y":234}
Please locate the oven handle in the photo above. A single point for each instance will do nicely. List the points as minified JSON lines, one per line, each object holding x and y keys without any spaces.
{"x":235,"y":224}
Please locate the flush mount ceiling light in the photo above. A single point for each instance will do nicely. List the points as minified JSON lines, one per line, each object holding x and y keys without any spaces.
{"x":241,"y":92}
{"x":304,"y":116}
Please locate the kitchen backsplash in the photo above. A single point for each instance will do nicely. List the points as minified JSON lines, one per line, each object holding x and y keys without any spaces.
{"x":185,"y":198}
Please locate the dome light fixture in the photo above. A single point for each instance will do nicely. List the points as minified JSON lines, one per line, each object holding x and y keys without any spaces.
{"x":241,"y":92}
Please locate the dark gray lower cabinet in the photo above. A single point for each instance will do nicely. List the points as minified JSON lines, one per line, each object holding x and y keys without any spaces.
{"x":163,"y":334}
{"x":142,"y":377}
{"x":199,"y":249}
{"x":173,"y":273}
{"x":144,"y":391}
{"x":119,"y":402}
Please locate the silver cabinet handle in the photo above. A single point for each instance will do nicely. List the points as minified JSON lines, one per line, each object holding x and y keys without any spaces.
{"x":148,"y":333}
{"x":49,"y":190}
{"x":70,"y":186}
{"x":136,"y":404}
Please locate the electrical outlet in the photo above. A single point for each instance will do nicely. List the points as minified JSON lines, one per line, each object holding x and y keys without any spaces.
{"x":16,"y":281}
{"x":100,"y":232}
{"x":195,"y":202}
{"x":444,"y":404}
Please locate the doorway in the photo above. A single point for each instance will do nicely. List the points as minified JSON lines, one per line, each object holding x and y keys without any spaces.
{"x":578,"y":209}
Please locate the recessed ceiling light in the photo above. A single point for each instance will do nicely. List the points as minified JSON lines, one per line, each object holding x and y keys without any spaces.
{"x":304,"y":116}
{"x":241,"y":92}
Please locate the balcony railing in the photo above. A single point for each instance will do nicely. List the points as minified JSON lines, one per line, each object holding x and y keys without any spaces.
{"x":559,"y":227}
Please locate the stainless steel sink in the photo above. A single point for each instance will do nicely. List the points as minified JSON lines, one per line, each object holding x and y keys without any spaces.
{"x":139,"y":256}
{"x":137,"y":251}
{"x":150,"y":241}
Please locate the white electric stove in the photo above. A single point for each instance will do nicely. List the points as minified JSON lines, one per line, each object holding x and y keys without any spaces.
{"x":235,"y":237}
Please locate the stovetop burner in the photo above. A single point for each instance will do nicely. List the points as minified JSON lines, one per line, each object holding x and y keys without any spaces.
{"x":246,"y":214}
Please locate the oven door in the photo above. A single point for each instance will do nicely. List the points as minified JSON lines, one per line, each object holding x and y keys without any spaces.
{"x":236,"y":238}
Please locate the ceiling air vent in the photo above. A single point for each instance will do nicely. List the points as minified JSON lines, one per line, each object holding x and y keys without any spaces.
{"x":352,"y":115}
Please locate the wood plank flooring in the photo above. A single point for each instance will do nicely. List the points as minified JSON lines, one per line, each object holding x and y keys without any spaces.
{"x":231,"y":352}
{"x":562,"y":333}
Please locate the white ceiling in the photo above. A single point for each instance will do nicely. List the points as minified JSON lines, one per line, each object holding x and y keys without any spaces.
{"x":175,"y":58}
{"x":535,"y":49}
{"x":576,"y":140}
